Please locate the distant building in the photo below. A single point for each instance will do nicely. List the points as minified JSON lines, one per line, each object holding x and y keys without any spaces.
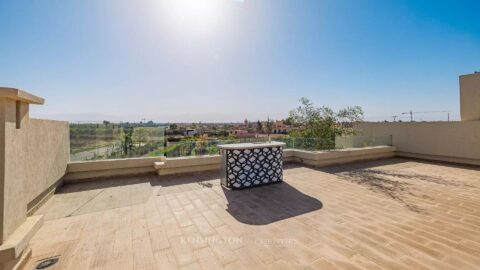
{"x":240,"y":133}
{"x":235,"y":132}
{"x":280,"y":128}
{"x":190,"y":132}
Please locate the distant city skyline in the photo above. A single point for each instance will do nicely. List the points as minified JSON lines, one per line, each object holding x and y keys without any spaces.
{"x":227,"y":60}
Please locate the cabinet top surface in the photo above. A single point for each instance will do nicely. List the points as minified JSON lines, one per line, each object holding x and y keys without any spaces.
{"x":251,"y":145}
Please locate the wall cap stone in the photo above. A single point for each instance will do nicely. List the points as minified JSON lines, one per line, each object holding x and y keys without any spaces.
{"x":17,"y":94}
{"x":14,"y":246}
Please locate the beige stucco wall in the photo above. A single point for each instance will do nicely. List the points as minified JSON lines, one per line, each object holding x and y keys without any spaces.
{"x":48,"y":154}
{"x":448,"y":141}
{"x":35,"y":158}
{"x":327,"y":158}
{"x":14,"y":175}
{"x":470,"y":97}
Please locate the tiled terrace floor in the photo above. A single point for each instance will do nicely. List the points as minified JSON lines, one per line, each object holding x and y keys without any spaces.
{"x":389,"y":214}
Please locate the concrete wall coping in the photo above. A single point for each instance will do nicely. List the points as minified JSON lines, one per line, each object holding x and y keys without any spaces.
{"x":17,"y":94}
{"x":49,"y":121}
{"x":242,"y":146}
{"x":191,"y":161}
{"x":108,"y":164}
{"x":18,"y":241}
{"x":470,"y":74}
{"x":362,"y":149}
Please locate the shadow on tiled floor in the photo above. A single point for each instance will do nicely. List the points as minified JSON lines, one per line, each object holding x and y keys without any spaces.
{"x":268,"y":204}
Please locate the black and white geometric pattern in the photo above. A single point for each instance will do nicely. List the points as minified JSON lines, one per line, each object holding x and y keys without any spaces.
{"x":253,"y":167}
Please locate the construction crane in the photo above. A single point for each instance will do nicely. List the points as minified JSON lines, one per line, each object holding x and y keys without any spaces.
{"x":412,"y":113}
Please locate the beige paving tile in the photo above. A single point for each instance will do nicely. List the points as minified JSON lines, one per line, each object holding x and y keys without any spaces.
{"x":387,"y":214}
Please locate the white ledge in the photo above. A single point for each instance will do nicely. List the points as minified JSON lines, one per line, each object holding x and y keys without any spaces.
{"x":251,"y":145}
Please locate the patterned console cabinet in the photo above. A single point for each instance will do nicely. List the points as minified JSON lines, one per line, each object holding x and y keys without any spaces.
{"x":247,"y":165}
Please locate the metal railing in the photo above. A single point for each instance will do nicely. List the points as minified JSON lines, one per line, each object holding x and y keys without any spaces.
{"x":96,"y":141}
{"x":90,"y":141}
{"x":355,"y":141}
{"x":308,"y":144}
{"x":210,"y":147}
{"x":203,"y":147}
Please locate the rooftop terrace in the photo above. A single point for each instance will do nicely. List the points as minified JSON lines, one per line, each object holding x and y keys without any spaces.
{"x":388,"y":214}
{"x":336,"y":209}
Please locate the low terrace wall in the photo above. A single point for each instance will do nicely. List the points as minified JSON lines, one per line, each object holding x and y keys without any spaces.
{"x":319,"y":159}
{"x":78,"y":170}
{"x":90,"y":170}
{"x":87,"y":170}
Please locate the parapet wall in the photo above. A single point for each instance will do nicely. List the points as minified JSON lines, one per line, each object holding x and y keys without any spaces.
{"x":91,"y":170}
{"x":37,"y":157}
{"x":79,"y":170}
{"x":470,"y":97}
{"x":457,"y":142}
{"x":33,"y":159}
{"x":48,"y":154}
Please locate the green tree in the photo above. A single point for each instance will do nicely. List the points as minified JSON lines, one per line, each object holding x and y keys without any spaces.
{"x":140,"y":135}
{"x":347,"y":116}
{"x":127,"y":141}
{"x":201,"y":146}
{"x":322,"y":122}
{"x":288,"y":121}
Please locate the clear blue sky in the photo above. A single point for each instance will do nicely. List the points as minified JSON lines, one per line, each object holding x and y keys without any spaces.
{"x":226,"y":60}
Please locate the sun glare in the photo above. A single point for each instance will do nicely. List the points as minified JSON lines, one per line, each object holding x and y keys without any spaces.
{"x":193,"y":16}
